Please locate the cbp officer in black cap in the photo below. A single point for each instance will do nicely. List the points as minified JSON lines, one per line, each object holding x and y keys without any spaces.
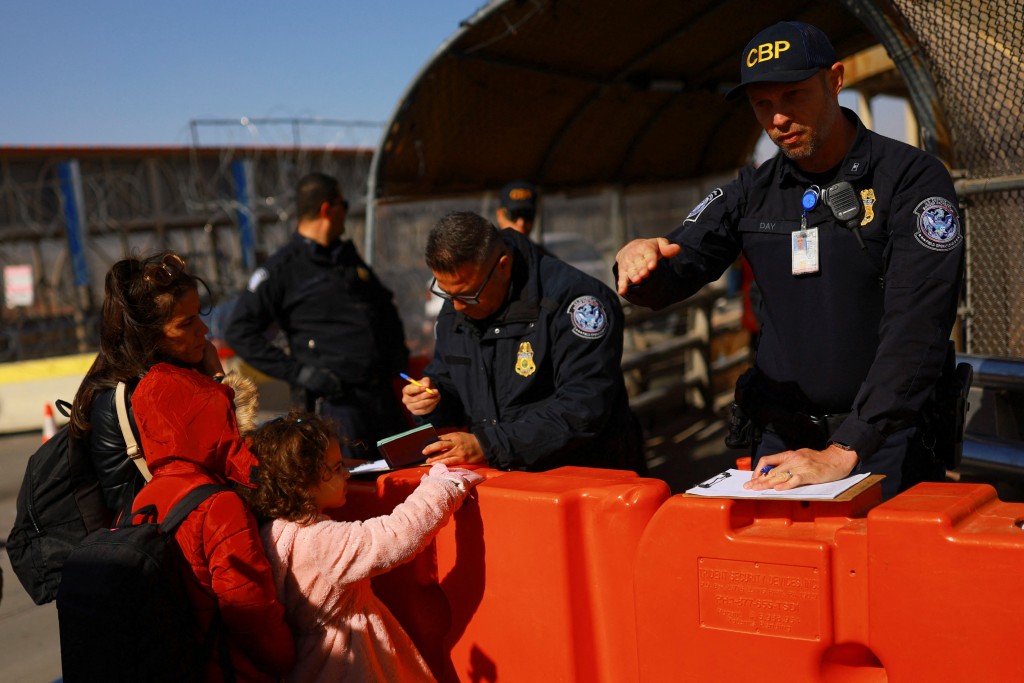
{"x":857,"y":247}
{"x":517,"y":207}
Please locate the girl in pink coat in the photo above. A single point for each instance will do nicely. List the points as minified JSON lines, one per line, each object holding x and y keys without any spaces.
{"x":322,"y":568}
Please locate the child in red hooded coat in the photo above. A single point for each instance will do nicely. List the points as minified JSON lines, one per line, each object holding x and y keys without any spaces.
{"x":190,"y":437}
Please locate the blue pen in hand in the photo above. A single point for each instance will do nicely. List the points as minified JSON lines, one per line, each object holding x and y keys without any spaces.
{"x":409,"y":379}
{"x":766,"y":469}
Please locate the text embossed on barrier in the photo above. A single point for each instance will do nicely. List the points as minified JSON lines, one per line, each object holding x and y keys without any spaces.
{"x":760,"y":597}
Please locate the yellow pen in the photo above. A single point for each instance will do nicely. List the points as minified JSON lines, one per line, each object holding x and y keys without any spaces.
{"x":407,"y":378}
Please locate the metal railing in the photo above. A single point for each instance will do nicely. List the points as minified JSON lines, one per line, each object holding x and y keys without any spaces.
{"x":670,"y":359}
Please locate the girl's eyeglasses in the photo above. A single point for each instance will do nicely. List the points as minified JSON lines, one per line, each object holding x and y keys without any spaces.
{"x":165,"y":270}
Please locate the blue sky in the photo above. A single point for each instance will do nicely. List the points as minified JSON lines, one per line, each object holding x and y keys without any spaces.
{"x":135,"y":72}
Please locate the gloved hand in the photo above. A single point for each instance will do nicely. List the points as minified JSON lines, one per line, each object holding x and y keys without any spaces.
{"x":319,"y":381}
{"x":466,"y":479}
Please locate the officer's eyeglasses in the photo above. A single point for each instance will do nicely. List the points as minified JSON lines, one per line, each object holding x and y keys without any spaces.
{"x":164,"y":271}
{"x":467,"y":299}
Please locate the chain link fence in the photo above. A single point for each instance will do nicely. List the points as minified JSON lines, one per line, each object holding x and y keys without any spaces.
{"x":141,"y":201}
{"x":975,"y":54}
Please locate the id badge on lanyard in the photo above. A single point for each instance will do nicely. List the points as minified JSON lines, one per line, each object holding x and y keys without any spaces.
{"x":804,"y":242}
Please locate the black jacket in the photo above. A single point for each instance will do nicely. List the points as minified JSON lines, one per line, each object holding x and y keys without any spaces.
{"x":119,"y":478}
{"x":866,"y":334}
{"x":334,"y":311}
{"x":540,"y":383}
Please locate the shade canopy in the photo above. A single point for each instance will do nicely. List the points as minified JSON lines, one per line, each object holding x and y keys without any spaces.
{"x":580,"y":93}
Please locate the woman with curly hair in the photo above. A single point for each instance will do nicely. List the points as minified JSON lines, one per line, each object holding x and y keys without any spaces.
{"x":322,"y":568}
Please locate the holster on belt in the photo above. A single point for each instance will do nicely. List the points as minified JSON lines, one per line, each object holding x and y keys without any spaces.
{"x":943,"y":419}
{"x":765,"y":411}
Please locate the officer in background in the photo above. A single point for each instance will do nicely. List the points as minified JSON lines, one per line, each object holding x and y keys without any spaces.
{"x":527,"y":356}
{"x":859,"y":281}
{"x":517,"y":207}
{"x":345,"y":337}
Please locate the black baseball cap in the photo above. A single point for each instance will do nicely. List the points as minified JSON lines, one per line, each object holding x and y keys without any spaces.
{"x":786,"y":52}
{"x":518,"y":196}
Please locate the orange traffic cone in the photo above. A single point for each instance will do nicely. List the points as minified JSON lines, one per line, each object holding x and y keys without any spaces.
{"x":49,"y":425}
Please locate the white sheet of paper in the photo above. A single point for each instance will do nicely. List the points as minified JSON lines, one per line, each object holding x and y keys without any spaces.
{"x":372,"y":466}
{"x":729,"y":484}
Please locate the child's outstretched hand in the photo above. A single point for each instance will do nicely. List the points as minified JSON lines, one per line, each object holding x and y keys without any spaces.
{"x":466,"y":479}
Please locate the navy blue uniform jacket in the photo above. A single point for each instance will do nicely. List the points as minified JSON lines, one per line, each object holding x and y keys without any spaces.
{"x":868,"y":333}
{"x":540,"y":383}
{"x":333,"y":309}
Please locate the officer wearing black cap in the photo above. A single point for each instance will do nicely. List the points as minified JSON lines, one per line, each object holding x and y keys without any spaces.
{"x":857,"y":247}
{"x":517,"y":207}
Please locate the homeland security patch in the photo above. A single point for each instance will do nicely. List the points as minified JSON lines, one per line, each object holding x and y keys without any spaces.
{"x":588,"y":317}
{"x":697,"y":210}
{"x":258,"y":276}
{"x":938,"y":227}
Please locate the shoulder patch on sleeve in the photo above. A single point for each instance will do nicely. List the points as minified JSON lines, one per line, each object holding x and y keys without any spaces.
{"x":938,"y":226}
{"x":699,"y":209}
{"x":589,"y":319}
{"x":258,"y":276}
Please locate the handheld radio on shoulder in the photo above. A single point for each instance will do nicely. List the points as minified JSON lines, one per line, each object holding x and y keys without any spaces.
{"x":845,"y":205}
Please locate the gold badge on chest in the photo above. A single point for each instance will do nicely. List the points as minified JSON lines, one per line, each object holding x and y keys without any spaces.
{"x":867,"y":198}
{"x":524,"y":360}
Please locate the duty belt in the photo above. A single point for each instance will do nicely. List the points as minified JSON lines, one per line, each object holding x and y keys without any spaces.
{"x":767,"y":412}
{"x":806,"y":431}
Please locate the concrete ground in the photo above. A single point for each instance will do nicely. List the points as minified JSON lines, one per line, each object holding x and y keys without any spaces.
{"x":29,"y":645}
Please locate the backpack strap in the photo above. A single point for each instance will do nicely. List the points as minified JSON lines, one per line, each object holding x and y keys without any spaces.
{"x":134,"y":452}
{"x":217,"y":636}
{"x":187,"y":504}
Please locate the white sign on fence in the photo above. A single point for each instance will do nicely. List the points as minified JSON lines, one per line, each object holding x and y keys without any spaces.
{"x":18,"y":289}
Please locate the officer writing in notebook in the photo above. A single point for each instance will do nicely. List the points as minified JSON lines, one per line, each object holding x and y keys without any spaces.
{"x":857,"y":248}
{"x":527,"y":357}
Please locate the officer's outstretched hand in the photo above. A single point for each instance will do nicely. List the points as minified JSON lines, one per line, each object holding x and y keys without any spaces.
{"x":421,"y":399}
{"x":455,"y":448}
{"x":805,"y":466}
{"x":637,"y":259}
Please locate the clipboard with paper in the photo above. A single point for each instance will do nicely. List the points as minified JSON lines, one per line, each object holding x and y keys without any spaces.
{"x":729,"y":484}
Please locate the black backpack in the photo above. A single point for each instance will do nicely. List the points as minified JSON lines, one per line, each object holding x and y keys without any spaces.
{"x":123,"y":611}
{"x":59,"y":504}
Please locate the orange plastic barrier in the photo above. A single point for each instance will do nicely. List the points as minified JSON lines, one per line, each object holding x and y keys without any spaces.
{"x":535,"y":575}
{"x":925,"y":587}
{"x":944,"y":576}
